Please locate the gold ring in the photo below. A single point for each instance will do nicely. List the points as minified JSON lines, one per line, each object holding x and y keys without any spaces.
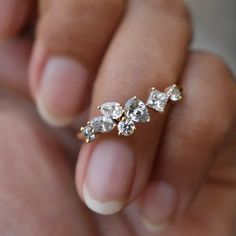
{"x":125,"y":117}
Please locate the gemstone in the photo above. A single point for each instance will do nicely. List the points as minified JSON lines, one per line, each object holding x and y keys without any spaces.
{"x":136,"y":110}
{"x":88,"y":133}
{"x":126,"y":127}
{"x":174,"y":93}
{"x":102,"y":124}
{"x":157,"y":100}
{"x":112,"y":110}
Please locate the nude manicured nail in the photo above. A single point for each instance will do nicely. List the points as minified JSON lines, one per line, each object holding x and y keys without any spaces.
{"x":109,"y":177}
{"x":154,"y":228}
{"x":158,"y":206}
{"x":61,"y":91}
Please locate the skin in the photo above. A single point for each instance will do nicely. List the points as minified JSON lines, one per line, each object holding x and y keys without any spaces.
{"x":183,"y":181}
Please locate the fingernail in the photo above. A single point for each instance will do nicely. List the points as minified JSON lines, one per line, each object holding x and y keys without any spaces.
{"x":158,"y":206}
{"x":109,"y":177}
{"x":61,"y":91}
{"x":13,"y":14}
{"x":154,"y":228}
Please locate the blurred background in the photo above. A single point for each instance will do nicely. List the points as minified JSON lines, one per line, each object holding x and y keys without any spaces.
{"x":215,"y":27}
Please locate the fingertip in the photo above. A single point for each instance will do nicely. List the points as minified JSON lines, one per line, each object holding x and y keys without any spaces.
{"x":59,"y":85}
{"x":50,"y":118}
{"x":157,"y":206}
{"x":104,"y":208}
{"x":38,"y":60}
{"x":154,"y":228}
{"x":95,"y":173}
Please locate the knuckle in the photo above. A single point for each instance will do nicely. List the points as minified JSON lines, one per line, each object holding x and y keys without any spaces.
{"x":213,"y":59}
{"x":214,"y":117}
{"x":175,"y":11}
{"x":221,"y":77}
{"x":113,"y":5}
{"x":215,"y":127}
{"x":179,"y":8}
{"x":173,"y":7}
{"x":197,"y":131}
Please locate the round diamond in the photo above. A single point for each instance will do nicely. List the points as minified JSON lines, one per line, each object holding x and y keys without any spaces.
{"x":174,"y":93}
{"x":126,"y":127}
{"x":89,"y":133}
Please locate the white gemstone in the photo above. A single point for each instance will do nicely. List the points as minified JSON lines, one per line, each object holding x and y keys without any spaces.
{"x":89,"y":133}
{"x":157,"y":100}
{"x":174,"y":93}
{"x":102,"y":124}
{"x":126,"y":127}
{"x":136,"y":110}
{"x":112,"y":110}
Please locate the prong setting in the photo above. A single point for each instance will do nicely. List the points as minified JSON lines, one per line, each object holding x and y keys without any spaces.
{"x":175,"y":93}
{"x":125,"y":117}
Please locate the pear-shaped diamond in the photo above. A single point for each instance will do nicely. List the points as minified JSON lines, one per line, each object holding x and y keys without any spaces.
{"x":157,"y":100}
{"x":174,"y":93}
{"x":126,"y":127}
{"x":102,"y":124}
{"x":112,"y":110}
{"x":136,"y":110}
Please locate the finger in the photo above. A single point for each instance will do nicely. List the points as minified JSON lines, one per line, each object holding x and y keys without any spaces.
{"x":214,"y":206}
{"x":71,"y":39}
{"x":213,"y":210}
{"x":15,"y":54}
{"x":131,"y":69}
{"x":194,"y":134}
{"x":13,"y":16}
{"x":36,"y":188}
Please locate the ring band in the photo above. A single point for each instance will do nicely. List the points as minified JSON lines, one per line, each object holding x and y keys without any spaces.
{"x":124,"y":117}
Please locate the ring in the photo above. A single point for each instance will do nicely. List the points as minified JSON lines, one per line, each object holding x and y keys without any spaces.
{"x":125,"y":117}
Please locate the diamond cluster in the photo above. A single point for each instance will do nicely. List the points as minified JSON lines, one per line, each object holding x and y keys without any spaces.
{"x":125,"y":117}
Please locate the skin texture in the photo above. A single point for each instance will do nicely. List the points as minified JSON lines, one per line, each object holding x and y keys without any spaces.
{"x":176,"y":175}
{"x":37,"y":182}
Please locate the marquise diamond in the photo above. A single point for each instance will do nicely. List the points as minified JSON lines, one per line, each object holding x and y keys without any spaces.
{"x":112,"y":110}
{"x":157,"y":100}
{"x":102,"y":124}
{"x":136,"y":110}
{"x":126,"y":127}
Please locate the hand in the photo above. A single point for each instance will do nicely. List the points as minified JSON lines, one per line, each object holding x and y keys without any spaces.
{"x":181,"y":183}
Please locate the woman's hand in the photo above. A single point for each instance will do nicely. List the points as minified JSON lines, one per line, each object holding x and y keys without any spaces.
{"x":181,"y":166}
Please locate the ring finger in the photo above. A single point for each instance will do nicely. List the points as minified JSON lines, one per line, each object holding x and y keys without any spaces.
{"x":148,"y":50}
